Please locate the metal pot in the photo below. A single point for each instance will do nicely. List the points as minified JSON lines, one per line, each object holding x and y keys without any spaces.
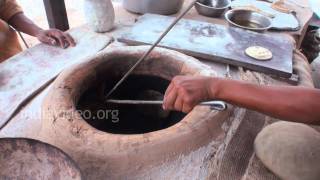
{"x":164,"y":7}
{"x":206,"y":8}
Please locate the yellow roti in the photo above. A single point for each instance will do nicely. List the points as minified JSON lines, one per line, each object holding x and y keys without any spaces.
{"x":259,"y":53}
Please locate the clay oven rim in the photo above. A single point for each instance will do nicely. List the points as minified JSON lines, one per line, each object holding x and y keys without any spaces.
{"x":122,"y":156}
{"x":66,"y":88}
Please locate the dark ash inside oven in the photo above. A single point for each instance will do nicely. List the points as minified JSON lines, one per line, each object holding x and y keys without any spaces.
{"x":128,"y":119}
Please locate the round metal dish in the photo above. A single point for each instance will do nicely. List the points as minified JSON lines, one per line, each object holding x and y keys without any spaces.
{"x":210,"y":9}
{"x":22,"y":158}
{"x":164,"y":7}
{"x":248,"y":19}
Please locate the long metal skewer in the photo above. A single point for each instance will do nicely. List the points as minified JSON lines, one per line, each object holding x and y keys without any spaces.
{"x":151,"y":48}
{"x":216,"y":105}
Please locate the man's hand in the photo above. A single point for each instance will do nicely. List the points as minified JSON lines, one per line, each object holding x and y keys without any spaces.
{"x":185,"y":92}
{"x":55,"y":37}
{"x":52,"y":37}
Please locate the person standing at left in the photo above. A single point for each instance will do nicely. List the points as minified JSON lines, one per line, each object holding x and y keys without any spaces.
{"x":11,"y":15}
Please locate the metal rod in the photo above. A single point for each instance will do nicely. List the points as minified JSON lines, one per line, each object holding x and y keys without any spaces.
{"x":216,"y":105}
{"x":151,"y":48}
{"x":23,"y":40}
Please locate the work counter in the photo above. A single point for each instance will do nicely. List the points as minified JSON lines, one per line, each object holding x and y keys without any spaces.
{"x":26,"y":78}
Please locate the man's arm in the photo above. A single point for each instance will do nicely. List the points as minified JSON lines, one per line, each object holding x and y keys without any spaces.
{"x":296,"y":104}
{"x":52,"y":36}
{"x":20,"y":22}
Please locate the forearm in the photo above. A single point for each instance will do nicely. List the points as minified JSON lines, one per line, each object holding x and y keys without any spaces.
{"x":22,"y":23}
{"x":284,"y":102}
{"x":53,"y":37}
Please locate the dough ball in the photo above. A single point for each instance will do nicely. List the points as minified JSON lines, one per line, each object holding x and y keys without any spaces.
{"x":290,"y":150}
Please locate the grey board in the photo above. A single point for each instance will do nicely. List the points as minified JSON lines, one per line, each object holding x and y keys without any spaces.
{"x":214,"y":42}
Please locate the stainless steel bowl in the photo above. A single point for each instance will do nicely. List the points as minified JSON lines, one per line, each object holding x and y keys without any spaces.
{"x":164,"y":7}
{"x":212,"y":8}
{"x":248,"y":19}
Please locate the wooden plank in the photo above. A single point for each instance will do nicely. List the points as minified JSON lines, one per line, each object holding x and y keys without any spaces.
{"x":214,"y":42}
{"x":56,"y":14}
{"x":28,"y":73}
